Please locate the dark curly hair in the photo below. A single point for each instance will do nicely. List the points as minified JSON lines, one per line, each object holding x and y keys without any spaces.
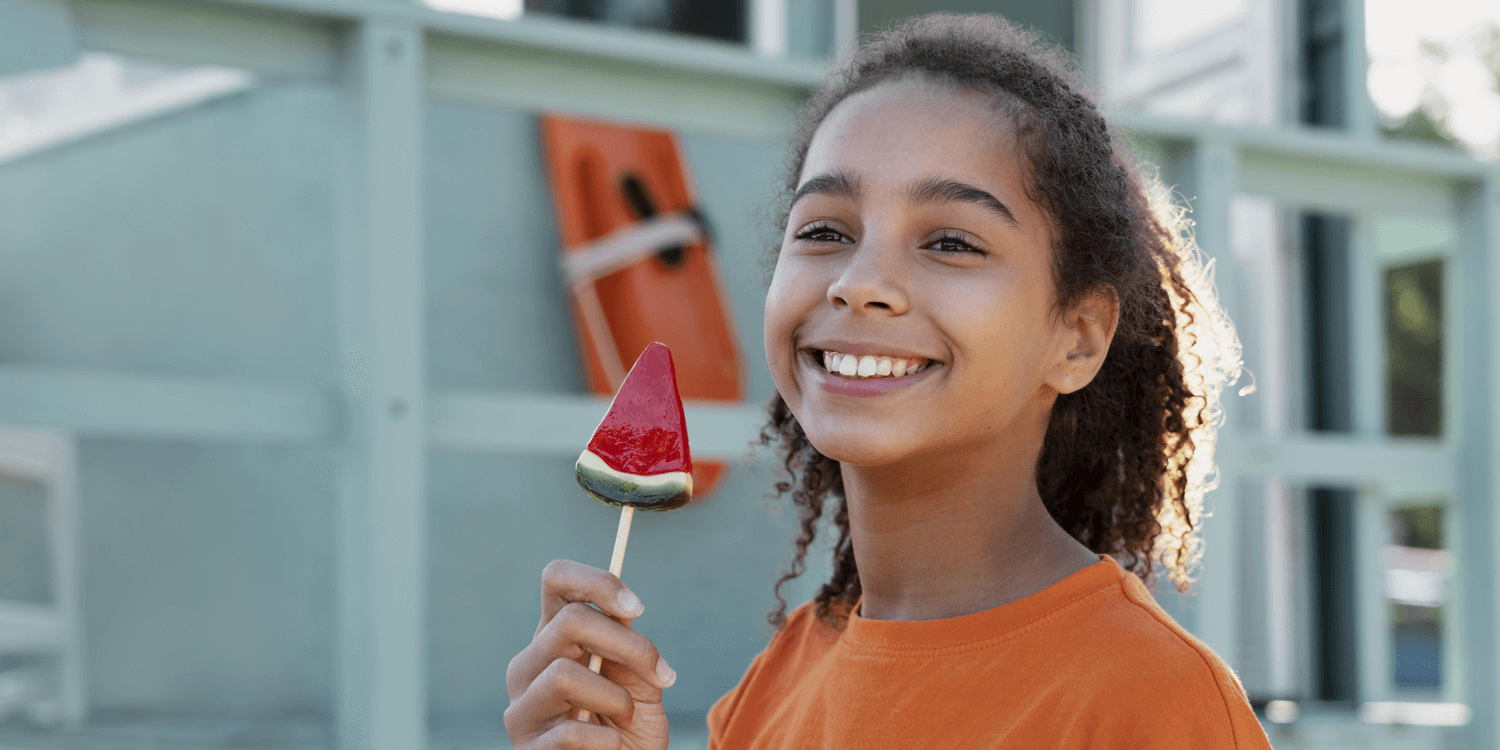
{"x":1126,"y":459}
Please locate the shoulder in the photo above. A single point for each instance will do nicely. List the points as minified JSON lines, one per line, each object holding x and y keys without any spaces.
{"x":803,"y":638}
{"x":1160,"y":681}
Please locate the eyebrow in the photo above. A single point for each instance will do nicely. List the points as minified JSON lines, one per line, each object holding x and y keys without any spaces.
{"x":942,"y":190}
{"x":926,"y":190}
{"x":836,"y":184}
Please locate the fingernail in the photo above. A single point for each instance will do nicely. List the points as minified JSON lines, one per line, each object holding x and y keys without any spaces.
{"x":630,"y":604}
{"x":665,"y":673}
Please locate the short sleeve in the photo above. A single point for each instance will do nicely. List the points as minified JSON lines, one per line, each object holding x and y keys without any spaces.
{"x":724,"y":708}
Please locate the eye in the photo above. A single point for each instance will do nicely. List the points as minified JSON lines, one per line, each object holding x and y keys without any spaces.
{"x":953,"y":241}
{"x":821,"y":231}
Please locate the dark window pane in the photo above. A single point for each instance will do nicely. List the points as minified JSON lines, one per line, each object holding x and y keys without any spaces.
{"x":715,"y":19}
{"x":1330,"y":400}
{"x":1322,"y":62}
{"x":1337,"y":634}
{"x":1414,"y":345}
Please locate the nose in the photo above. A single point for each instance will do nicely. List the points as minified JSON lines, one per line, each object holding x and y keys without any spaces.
{"x":870,"y":283}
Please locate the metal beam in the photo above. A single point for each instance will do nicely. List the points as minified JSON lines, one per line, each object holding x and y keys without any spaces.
{"x":113,"y":404}
{"x":1314,"y":458}
{"x":1479,"y":458}
{"x":1213,"y":174}
{"x":1312,"y":145}
{"x":558,"y":424}
{"x":684,"y":99}
{"x":257,"y":38}
{"x":382,"y":676}
{"x":127,"y":25}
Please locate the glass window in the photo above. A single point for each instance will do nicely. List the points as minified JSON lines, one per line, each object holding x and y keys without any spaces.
{"x":1163,"y":25}
{"x":1414,"y":347}
{"x":1417,"y":571}
{"x":715,"y":19}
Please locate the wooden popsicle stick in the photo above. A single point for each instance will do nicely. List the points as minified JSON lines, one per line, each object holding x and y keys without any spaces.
{"x":616,"y":564}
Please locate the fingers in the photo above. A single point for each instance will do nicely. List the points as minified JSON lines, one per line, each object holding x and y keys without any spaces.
{"x":563,"y":686}
{"x":576,"y":735}
{"x":565,"y":581}
{"x":578,"y":630}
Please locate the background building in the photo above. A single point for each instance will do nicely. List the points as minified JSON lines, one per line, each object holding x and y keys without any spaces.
{"x":291,"y":398}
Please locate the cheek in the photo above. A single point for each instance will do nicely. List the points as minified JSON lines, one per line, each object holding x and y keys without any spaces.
{"x":780,"y":318}
{"x":1001,"y":332}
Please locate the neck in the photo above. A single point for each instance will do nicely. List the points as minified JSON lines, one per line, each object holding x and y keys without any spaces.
{"x":956,"y":533}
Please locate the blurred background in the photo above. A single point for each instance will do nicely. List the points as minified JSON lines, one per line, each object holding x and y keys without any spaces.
{"x":290,"y":390}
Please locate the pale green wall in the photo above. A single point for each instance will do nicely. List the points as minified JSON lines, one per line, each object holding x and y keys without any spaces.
{"x":496,"y":320}
{"x":201,"y":244}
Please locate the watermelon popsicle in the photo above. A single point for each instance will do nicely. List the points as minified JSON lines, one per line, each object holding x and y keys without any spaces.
{"x":638,"y":456}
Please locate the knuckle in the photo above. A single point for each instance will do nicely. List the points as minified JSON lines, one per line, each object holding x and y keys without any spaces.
{"x":646,"y":651}
{"x":572,"y":616}
{"x":573,"y":734}
{"x":512,"y":669}
{"x":553,"y":571}
{"x":624,"y":703}
{"x":559,"y":676}
{"x":515,"y":673}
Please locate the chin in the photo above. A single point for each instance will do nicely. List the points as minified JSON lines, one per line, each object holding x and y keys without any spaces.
{"x":851,"y":444}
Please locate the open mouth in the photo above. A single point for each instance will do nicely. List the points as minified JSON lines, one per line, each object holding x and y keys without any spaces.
{"x":870,"y":366}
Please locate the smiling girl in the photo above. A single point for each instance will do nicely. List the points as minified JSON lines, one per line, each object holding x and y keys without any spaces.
{"x":998,"y":364}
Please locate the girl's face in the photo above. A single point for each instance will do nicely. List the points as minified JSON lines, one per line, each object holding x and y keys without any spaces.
{"x":912,"y":240}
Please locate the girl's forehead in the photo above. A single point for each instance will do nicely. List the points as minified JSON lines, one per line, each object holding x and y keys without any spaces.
{"x":912,"y":129}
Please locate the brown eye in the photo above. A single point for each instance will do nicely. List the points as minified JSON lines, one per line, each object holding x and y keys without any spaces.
{"x":821,"y":232}
{"x":951,"y":242}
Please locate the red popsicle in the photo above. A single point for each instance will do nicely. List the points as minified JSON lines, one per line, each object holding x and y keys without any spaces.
{"x":639,"y":457}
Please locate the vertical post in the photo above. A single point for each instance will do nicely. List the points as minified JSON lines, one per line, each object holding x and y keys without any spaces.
{"x":1372,"y":623}
{"x":845,"y":27}
{"x":1479,"y":454}
{"x":1214,"y":176}
{"x":381,"y":564}
{"x":768,"y":28}
{"x":1366,"y":329}
{"x":67,"y":557}
{"x":1360,"y":119}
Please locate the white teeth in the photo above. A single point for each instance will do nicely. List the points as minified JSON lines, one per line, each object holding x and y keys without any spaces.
{"x":848,"y":365}
{"x":869,"y":366}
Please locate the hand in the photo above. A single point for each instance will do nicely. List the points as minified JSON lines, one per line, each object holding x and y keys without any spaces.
{"x":550,"y":679}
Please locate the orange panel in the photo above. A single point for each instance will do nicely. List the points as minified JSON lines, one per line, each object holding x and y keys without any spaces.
{"x":605,"y":178}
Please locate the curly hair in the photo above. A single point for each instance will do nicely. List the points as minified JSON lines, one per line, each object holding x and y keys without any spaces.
{"x":1125,"y":460}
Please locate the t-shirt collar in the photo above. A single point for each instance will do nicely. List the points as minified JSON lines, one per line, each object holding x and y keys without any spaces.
{"x":973,"y":629}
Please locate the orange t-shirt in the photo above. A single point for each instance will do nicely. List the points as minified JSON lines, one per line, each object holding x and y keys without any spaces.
{"x":1089,"y":662}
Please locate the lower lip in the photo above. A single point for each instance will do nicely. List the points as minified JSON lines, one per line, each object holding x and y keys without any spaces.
{"x":867,"y":386}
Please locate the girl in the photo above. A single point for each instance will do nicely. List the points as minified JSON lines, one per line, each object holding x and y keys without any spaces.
{"x":998,"y":368}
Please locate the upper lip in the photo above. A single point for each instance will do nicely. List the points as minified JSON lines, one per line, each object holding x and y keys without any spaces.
{"x":861,"y":349}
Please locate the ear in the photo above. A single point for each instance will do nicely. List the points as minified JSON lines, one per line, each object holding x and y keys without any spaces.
{"x":1083,"y":335}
